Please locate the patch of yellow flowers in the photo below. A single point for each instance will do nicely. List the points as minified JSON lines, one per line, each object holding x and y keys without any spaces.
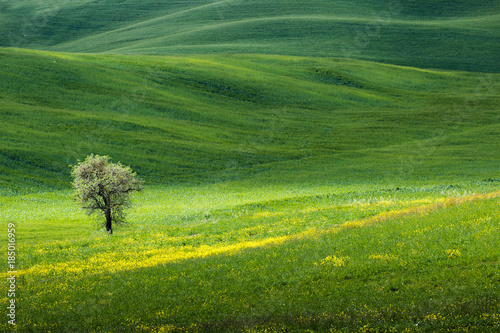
{"x":334,"y":261}
{"x":141,"y":257}
{"x":453,"y":254}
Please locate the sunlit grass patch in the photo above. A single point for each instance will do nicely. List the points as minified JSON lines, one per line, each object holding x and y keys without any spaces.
{"x":139,"y":248}
{"x":378,"y":266}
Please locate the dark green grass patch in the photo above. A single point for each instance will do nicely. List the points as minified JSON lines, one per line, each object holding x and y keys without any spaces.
{"x":461,"y":35}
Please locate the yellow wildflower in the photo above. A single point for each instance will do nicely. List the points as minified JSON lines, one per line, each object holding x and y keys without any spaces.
{"x":334,"y":261}
{"x":452,"y":254}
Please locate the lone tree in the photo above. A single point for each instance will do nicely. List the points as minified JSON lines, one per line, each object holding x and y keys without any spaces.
{"x":104,"y":186}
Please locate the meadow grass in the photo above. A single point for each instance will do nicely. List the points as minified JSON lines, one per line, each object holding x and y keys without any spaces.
{"x":233,"y":259}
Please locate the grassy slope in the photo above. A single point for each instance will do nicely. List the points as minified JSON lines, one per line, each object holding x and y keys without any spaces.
{"x":282,"y":152}
{"x":457,"y":34}
{"x":219,"y":118}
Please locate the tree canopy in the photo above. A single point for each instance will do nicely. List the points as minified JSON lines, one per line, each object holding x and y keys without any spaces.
{"x":102,"y":186}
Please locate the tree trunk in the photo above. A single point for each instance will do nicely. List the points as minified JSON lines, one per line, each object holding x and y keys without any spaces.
{"x":109,"y":229}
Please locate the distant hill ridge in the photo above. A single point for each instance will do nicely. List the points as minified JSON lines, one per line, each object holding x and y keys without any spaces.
{"x":459,"y":34}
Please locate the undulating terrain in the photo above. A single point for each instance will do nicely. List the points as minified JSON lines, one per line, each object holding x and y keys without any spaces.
{"x":309,"y":166}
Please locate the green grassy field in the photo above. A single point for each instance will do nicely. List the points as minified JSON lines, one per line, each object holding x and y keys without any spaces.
{"x":282,"y":194}
{"x":259,"y":119}
{"x":233,"y":259}
{"x":458,"y":34}
{"x":319,"y":166}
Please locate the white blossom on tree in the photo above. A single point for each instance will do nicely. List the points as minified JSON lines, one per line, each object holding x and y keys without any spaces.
{"x":104,"y":186}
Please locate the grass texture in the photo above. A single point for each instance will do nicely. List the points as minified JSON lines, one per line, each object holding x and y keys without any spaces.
{"x":458,"y":34}
{"x":339,"y":259}
{"x":194,"y":120}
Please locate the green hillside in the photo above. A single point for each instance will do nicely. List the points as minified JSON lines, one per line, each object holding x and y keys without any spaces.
{"x":459,"y":34}
{"x":268,"y":118}
{"x":309,"y":166}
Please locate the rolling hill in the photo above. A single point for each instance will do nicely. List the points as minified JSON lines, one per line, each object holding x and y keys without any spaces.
{"x":310,"y":166}
{"x":459,"y":34}
{"x":249,"y":89}
{"x":262,"y":117}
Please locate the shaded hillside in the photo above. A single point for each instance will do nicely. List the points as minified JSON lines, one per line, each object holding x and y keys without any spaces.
{"x":459,"y":34}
